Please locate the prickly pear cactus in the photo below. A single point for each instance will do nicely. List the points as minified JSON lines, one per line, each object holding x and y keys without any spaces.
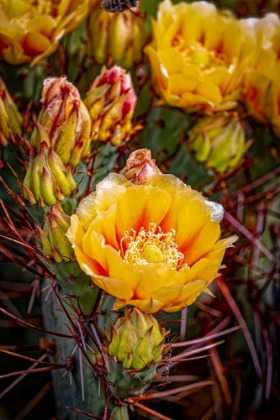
{"x":139,"y":173}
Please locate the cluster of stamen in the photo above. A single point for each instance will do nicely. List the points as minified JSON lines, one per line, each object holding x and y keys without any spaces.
{"x":151,"y":247}
{"x":194,"y":52}
{"x":20,"y":12}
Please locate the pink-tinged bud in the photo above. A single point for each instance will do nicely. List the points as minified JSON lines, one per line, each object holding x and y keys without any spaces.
{"x":64,"y":122}
{"x":140,"y":167}
{"x":111,"y":102}
{"x":10,"y":118}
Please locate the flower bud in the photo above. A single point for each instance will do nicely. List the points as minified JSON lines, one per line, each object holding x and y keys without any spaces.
{"x":47,"y":179}
{"x":119,"y":37}
{"x":64,"y":122}
{"x":136,"y":343}
{"x":10,"y":118}
{"x":136,"y":340}
{"x":111,"y":102}
{"x":55,"y":244}
{"x":140,"y":167}
{"x":219,"y":141}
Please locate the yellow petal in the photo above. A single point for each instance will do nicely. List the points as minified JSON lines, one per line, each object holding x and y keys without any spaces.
{"x":140,"y":206}
{"x":75,"y":232}
{"x":115,"y":287}
{"x":35,"y":43}
{"x":210,"y":91}
{"x":149,"y":305}
{"x":88,"y":265}
{"x":179,"y":84}
{"x":107,"y":192}
{"x":42,"y":24}
{"x":105,"y":225}
{"x":196,"y":233}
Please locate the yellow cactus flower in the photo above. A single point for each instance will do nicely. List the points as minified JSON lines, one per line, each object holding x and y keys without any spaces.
{"x":262,"y":84}
{"x":153,"y":245}
{"x":199,"y":55}
{"x":31,"y":30}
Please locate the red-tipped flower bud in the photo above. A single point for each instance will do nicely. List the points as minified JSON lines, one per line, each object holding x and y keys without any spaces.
{"x":111,"y":102}
{"x":64,"y":122}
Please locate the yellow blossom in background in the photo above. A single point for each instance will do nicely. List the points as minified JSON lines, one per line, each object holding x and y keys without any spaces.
{"x":199,"y":55}
{"x":262,"y":82}
{"x":31,"y":30}
{"x":154,"y":245}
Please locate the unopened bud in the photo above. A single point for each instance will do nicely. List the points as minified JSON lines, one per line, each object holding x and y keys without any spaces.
{"x":140,"y":167}
{"x":119,"y":37}
{"x":111,"y":101}
{"x":135,"y":340}
{"x":47,"y":180}
{"x":64,"y":122}
{"x":136,"y":343}
{"x":219,"y":141}
{"x":10,"y":118}
{"x":55,"y":245}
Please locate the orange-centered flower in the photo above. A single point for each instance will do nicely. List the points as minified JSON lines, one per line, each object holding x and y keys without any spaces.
{"x":32,"y":29}
{"x":199,"y":55}
{"x":154,"y":246}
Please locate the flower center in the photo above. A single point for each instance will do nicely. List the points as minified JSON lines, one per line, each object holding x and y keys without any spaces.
{"x":20,"y":12}
{"x":151,"y":247}
{"x":194,"y":52}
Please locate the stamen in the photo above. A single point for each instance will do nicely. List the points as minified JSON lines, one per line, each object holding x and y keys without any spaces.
{"x":20,"y":12}
{"x":193,"y":52}
{"x":151,"y":247}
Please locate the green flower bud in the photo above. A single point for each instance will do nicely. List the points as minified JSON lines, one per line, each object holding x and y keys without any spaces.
{"x":10,"y":118}
{"x":117,"y":37}
{"x":55,"y":245}
{"x":136,"y":346}
{"x":134,"y":338}
{"x":120,"y":413}
{"x":111,"y":101}
{"x":98,"y":22}
{"x":47,"y":179}
{"x":219,"y":141}
{"x":61,"y":218}
{"x":64,"y":122}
